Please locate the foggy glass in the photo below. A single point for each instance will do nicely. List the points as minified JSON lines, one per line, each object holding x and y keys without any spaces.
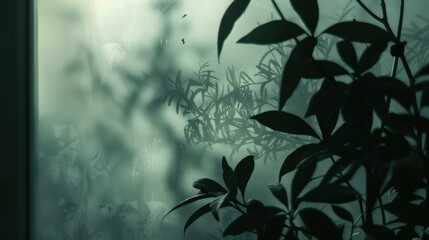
{"x":112,"y":156}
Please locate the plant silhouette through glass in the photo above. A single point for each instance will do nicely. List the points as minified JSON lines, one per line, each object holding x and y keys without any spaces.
{"x":363,"y":167}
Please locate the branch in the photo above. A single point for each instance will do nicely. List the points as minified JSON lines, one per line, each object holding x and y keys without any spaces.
{"x":369,"y":11}
{"x":278,"y":10}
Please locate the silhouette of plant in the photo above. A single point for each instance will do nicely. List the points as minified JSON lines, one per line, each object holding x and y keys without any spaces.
{"x":219,"y":111}
{"x":371,"y":133}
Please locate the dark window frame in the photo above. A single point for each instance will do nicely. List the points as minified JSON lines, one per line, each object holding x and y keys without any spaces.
{"x":17,"y":119}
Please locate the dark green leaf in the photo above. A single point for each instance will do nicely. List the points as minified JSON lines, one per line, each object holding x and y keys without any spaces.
{"x":347,"y":53}
{"x":273,"y":32}
{"x":391,"y":87}
{"x":290,"y":235}
{"x":344,"y":133}
{"x":405,"y":123}
{"x":406,"y":212}
{"x":206,"y":185}
{"x":342,"y":213}
{"x":232,"y":14}
{"x":394,"y":146}
{"x":406,"y":233}
{"x":188,"y":201}
{"x":321,"y":69}
{"x":370,"y":56}
{"x":375,"y":232}
{"x":298,"y":156}
{"x":251,"y":220}
{"x":280,"y":193}
{"x":301,"y":179}
{"x":358,"y":32}
{"x":253,"y":204}
{"x":197,"y":214}
{"x":330,"y":194}
{"x":229,"y":178}
{"x":243,"y":171}
{"x":273,"y":230}
{"x":325,"y":104}
{"x":357,"y":112}
{"x":293,"y":69}
{"x":421,"y":86}
{"x":308,"y":11}
{"x":337,"y":168}
{"x":320,"y":225}
{"x":216,"y":204}
{"x":423,"y":71}
{"x":285,"y":122}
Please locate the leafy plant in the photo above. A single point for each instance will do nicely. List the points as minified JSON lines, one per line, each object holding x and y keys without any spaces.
{"x":371,"y":132}
{"x":219,"y":110}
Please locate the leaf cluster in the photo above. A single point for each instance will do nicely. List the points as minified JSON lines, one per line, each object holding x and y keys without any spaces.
{"x":358,"y":133}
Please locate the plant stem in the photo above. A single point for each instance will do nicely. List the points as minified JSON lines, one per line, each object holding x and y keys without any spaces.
{"x":404,"y":62}
{"x":383,"y":215}
{"x":362,"y":211}
{"x":278,"y":10}
{"x":369,"y":11}
{"x":401,"y":19}
{"x":360,"y":199}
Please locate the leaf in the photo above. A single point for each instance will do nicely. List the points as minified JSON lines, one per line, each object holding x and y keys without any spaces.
{"x":325,"y":104}
{"x":405,"y":123}
{"x":301,"y":179}
{"x":423,"y":71}
{"x":358,"y":32}
{"x":273,"y":32}
{"x":229,"y":178}
{"x":206,"y":185}
{"x":298,"y":156}
{"x":406,"y":212}
{"x":342,"y":213}
{"x":232,"y":14}
{"x":337,"y":168}
{"x":375,"y":232}
{"x":273,"y":230}
{"x":407,"y":232}
{"x":347,"y":53}
{"x":330,"y":194}
{"x":251,"y":220}
{"x":285,"y":122}
{"x":216,"y":204}
{"x":253,"y":204}
{"x":188,"y":201}
{"x":421,"y":86}
{"x":320,"y":225}
{"x":293,"y":69}
{"x":280,"y":193}
{"x":370,"y":56}
{"x":389,"y":86}
{"x":308,"y":11}
{"x":243,"y":171}
{"x":197,"y":214}
{"x":394,"y":146}
{"x":321,"y":69}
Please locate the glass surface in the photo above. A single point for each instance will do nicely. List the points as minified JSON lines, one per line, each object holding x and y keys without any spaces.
{"x":113,"y":155}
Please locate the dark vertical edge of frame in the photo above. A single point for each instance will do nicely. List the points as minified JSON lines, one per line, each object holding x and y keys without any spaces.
{"x":16,"y":116}
{"x":32,"y":122}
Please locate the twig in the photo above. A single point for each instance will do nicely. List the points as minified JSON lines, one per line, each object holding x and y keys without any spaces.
{"x":278,"y":10}
{"x":369,"y":11}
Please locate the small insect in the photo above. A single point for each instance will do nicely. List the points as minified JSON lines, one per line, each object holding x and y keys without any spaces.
{"x":184,"y":16}
{"x":183,"y":41}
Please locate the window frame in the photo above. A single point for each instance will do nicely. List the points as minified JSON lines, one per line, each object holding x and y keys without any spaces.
{"x":17,"y":116}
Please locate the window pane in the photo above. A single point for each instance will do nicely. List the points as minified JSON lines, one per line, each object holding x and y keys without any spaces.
{"x":134,"y":105}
